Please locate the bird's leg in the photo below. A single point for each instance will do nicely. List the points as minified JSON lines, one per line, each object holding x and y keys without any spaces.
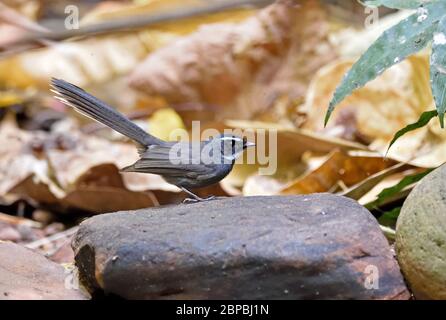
{"x":195,"y":197}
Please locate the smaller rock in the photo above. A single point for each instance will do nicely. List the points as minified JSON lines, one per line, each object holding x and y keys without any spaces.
{"x":64,"y":254}
{"x":421,"y":237}
{"x":43,"y":216}
{"x":8,"y":233}
{"x":26,"y":275}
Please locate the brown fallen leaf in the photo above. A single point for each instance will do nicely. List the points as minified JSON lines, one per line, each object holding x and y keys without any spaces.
{"x":388,"y":182}
{"x":106,"y":11}
{"x":62,"y":253}
{"x":90,"y":152}
{"x":246,"y":69}
{"x":377,"y":111}
{"x":364,"y":187}
{"x":381,"y":108}
{"x":15,"y":221}
{"x":18,"y":229}
{"x":73,"y":171}
{"x":9,"y":233}
{"x":257,"y":185}
{"x":106,"y":199}
{"x":22,"y":230}
{"x":102,"y":58}
{"x":16,"y":22}
{"x":425,"y":147}
{"x":347,"y":169}
{"x":57,"y":246}
{"x":20,"y":157}
{"x":350,"y":42}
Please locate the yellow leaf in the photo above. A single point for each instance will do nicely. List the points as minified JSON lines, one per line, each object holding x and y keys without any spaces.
{"x":163,"y":122}
{"x":382,"y":107}
{"x":101,"y":58}
{"x":9,"y":98}
{"x":247,"y":68}
{"x":151,"y":7}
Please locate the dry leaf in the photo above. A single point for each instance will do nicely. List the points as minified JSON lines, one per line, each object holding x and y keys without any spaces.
{"x":101,"y":58}
{"x":163,"y":122}
{"x":19,"y":157}
{"x":72,"y":171}
{"x":244,"y":70}
{"x":16,"y":21}
{"x":381,"y":108}
{"x":106,"y":199}
{"x":261,"y":186}
{"x":373,"y":114}
{"x":111,"y":10}
{"x":338,"y":168}
{"x":351,"y":43}
{"x":365,"y":186}
{"x":387,"y":182}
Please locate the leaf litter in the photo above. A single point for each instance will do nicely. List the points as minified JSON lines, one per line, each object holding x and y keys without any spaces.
{"x":273,"y":68}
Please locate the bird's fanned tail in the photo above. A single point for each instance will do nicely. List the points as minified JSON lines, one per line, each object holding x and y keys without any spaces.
{"x":98,"y":110}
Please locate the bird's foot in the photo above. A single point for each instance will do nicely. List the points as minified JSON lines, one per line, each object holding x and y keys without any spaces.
{"x":195,"y":197}
{"x":198,"y":199}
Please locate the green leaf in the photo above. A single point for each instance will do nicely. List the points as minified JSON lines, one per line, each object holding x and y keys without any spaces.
{"x":389,"y":218}
{"x":406,"y":181}
{"x":391,"y":191}
{"x":363,"y":187}
{"x":395,"y":44}
{"x":421,"y":122}
{"x":397,"y":4}
{"x":438,"y":69}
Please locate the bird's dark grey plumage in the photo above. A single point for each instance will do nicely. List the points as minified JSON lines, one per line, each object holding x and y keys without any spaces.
{"x":186,"y":165}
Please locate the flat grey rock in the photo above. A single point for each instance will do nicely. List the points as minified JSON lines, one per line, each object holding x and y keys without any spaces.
{"x":317,"y":246}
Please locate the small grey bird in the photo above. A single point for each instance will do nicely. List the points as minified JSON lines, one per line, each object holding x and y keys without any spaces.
{"x":186,"y":165}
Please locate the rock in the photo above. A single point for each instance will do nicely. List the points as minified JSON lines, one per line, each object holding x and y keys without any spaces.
{"x":8,"y":233}
{"x":64,"y":254}
{"x":421,"y":237}
{"x":318,"y":246}
{"x":29,"y":275}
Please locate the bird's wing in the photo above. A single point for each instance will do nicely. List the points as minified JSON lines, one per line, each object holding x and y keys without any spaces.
{"x":173,"y":159}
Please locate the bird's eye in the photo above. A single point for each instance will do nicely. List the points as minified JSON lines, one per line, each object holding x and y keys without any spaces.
{"x":245,"y":141}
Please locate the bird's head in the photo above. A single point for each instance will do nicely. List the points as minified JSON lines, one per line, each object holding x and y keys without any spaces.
{"x":232,"y":146}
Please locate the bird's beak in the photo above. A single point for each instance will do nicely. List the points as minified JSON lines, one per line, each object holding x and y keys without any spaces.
{"x":250,"y":144}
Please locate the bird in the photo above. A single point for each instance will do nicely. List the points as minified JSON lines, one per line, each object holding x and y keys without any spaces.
{"x":187,"y":165}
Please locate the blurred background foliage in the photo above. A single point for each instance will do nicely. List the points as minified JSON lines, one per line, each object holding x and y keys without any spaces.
{"x":270,"y":65}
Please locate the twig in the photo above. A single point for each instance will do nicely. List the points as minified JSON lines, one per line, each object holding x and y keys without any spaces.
{"x":14,"y":220}
{"x":56,"y":248}
{"x":44,"y":241}
{"x":388,"y":232}
{"x":14,"y":18}
{"x":135,"y":22}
